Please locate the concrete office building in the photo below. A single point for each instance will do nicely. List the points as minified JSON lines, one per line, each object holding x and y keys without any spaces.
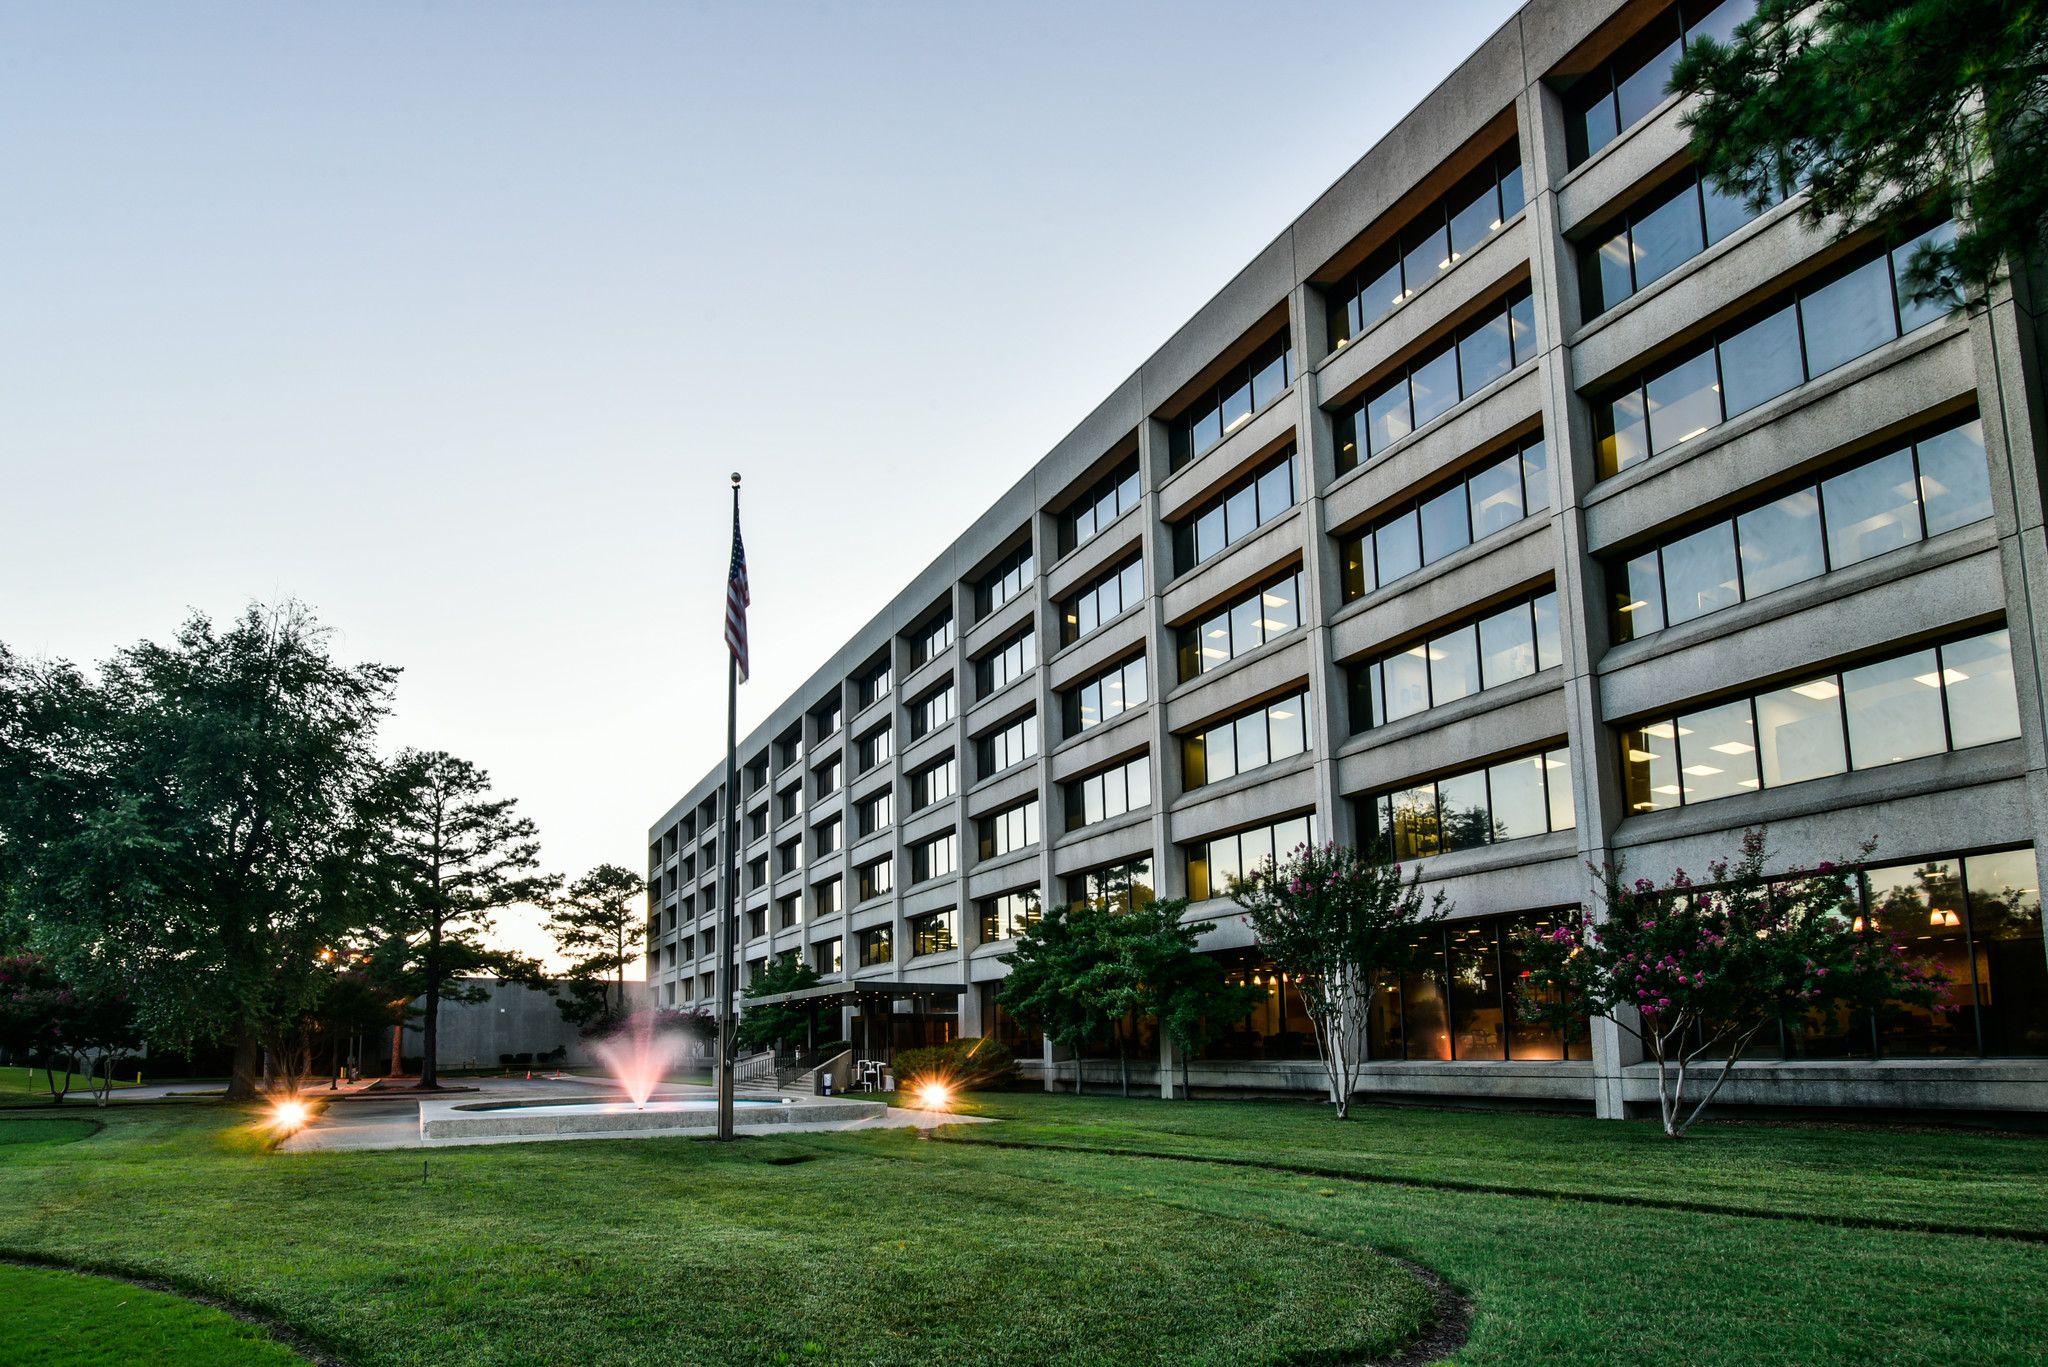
{"x":1526,"y":502}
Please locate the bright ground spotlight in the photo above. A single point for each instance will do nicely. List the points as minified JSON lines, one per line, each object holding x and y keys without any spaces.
{"x":934,"y":1095}
{"x":289,"y":1115}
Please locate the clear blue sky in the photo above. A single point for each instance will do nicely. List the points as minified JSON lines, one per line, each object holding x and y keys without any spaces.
{"x":450,"y":319}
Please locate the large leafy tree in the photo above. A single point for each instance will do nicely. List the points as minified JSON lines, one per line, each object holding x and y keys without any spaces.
{"x":597,"y":923}
{"x":1188,"y":992}
{"x":453,"y":856}
{"x":1064,"y":974}
{"x":1338,"y":922}
{"x":1697,"y":971}
{"x":1884,"y":110}
{"x":192,"y":822}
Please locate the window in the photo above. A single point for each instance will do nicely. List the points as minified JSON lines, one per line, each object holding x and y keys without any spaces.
{"x":689,"y":908}
{"x":1008,"y":830}
{"x":1006,"y":664}
{"x":789,"y":749}
{"x":1236,"y":513}
{"x":710,"y":896}
{"x":874,"y":685}
{"x":1458,"y":1000}
{"x":1244,"y":389}
{"x":1107,"y":695}
{"x":757,"y":922}
{"x":1431,"y":385}
{"x":789,"y":856}
{"x":1102,"y":598}
{"x":1507,"y":644}
{"x":934,"y":858}
{"x":789,"y":802}
{"x":1010,"y":577}
{"x":689,"y":865}
{"x":825,"y":899}
{"x":1877,"y":505}
{"x":707,"y":942}
{"x":688,"y":951}
{"x":1619,"y":93}
{"x":1111,"y":793}
{"x":1265,"y":735}
{"x":933,"y":783}
{"x":1239,"y":627}
{"x":1127,"y":885}
{"x":828,"y":719}
{"x":789,"y":911}
{"x":875,"y":813}
{"x":757,"y":825}
{"x":1112,"y":496}
{"x":877,"y":946}
{"x":876,"y":879}
{"x":1516,"y":798}
{"x":1798,"y":337}
{"x":1007,"y":916}
{"x":825,"y":956}
{"x":932,"y":933}
{"x":757,"y":873}
{"x":932,"y":711}
{"x":669,"y":957}
{"x":1496,"y":496}
{"x":825,"y":837}
{"x":1214,"y":862}
{"x":1925,"y":702}
{"x":1655,"y":237}
{"x":825,"y":778}
{"x":931,"y":640}
{"x":1013,"y":744}
{"x":1439,"y":238}
{"x":873,"y":749}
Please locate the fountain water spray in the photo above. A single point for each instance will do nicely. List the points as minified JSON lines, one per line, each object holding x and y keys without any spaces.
{"x":638,"y":1055}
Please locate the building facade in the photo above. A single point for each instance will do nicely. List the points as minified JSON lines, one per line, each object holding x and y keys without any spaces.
{"x":1526,"y":503}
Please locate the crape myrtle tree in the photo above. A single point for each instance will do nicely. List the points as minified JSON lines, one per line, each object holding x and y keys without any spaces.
{"x":1886,"y":112}
{"x":1697,"y":971}
{"x":453,"y":856}
{"x":1337,"y":921}
{"x":764,"y":1027}
{"x":192,"y":822}
{"x":596,"y":923}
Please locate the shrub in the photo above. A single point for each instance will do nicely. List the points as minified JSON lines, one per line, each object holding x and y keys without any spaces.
{"x":963,"y":1063}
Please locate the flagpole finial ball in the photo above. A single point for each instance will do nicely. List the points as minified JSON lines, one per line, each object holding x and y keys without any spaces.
{"x":735,"y":479}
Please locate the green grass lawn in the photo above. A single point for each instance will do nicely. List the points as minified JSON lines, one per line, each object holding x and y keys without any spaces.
{"x":882,"y":1247}
{"x":33,"y":1082}
{"x":65,"y":1319}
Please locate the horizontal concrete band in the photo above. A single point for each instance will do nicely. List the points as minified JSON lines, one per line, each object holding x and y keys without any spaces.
{"x":446,"y":1121}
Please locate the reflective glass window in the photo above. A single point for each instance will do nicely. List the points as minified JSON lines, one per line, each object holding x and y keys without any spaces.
{"x":1848,"y":317}
{"x":1983,"y":702}
{"x":1699,"y":574}
{"x":1894,"y":710}
{"x":1717,"y":752}
{"x":1454,"y":665}
{"x":1799,"y":732}
{"x":1445,"y":525}
{"x":1507,"y":645}
{"x":1872,"y":509}
{"x":1762,"y":361}
{"x":1780,"y":543}
{"x":1955,"y":482}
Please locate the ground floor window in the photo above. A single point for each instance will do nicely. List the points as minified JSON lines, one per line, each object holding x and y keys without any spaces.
{"x":1279,"y":1029}
{"x":1023,"y":1038}
{"x":1458,"y":1003}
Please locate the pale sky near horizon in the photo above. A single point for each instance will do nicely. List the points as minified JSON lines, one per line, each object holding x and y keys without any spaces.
{"x":450,"y":320}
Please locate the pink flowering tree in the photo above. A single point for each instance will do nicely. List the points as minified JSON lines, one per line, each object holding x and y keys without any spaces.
{"x":1337,"y":921}
{"x":1697,"y":970}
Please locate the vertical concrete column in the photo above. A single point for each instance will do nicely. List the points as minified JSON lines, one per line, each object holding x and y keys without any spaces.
{"x":1167,"y":1063}
{"x":1581,"y":590}
{"x":1161,"y":666}
{"x":1322,"y":579}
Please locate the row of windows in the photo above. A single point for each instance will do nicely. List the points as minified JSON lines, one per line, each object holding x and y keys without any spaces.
{"x":1009,"y":915}
{"x":1511,"y":643}
{"x":1437,"y":239}
{"x":874,"y":685}
{"x":934,"y":858}
{"x":1243,"y":391}
{"x":933,"y":933}
{"x":1511,"y":800}
{"x":1266,"y":735}
{"x":1425,"y":530}
{"x":1213,"y":863}
{"x":1006,"y":664}
{"x":1619,"y":93}
{"x":877,"y":946}
{"x":932,"y":711}
{"x":1124,"y":885}
{"x":1237,"y":512}
{"x":933,"y":783}
{"x":874,"y":748}
{"x":1113,"y":496}
{"x":1432,"y":384}
{"x":932,"y":640}
{"x":1102,"y":598}
{"x":1654,"y":238}
{"x":1458,"y":1001}
{"x":1800,"y":336}
{"x":1110,"y":793}
{"x":1244,"y":625}
{"x":1104,"y":697}
{"x":875,"y":813}
{"x":1897,"y":499}
{"x":1013,"y":744}
{"x":877,"y":878}
{"x":1014,"y":828}
{"x":1010,"y":577}
{"x":1922,"y":703}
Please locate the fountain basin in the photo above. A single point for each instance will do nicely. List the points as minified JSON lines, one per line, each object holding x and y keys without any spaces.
{"x":547,"y":1116}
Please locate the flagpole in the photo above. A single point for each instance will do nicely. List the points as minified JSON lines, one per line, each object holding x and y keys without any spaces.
{"x":729,"y":936}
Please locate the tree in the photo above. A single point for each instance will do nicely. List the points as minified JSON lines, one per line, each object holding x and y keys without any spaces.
{"x":1696,"y":971}
{"x":1886,"y":112}
{"x":762,"y":1027}
{"x":598,"y":920}
{"x":1057,"y":976}
{"x":1337,"y":921}
{"x":453,"y":857}
{"x":65,"y":1024}
{"x":1186,"y":991}
{"x":191,"y":824}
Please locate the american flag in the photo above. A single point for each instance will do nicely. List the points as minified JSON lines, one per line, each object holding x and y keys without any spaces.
{"x":736,"y":599}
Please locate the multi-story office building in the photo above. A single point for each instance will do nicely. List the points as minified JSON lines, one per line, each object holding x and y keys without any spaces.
{"x":1526,"y":503}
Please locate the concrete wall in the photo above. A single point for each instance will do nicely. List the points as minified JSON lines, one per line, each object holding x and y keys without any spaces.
{"x":515,"y":1020}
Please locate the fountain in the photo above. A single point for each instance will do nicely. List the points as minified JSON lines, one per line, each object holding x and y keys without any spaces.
{"x":639,"y":1056}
